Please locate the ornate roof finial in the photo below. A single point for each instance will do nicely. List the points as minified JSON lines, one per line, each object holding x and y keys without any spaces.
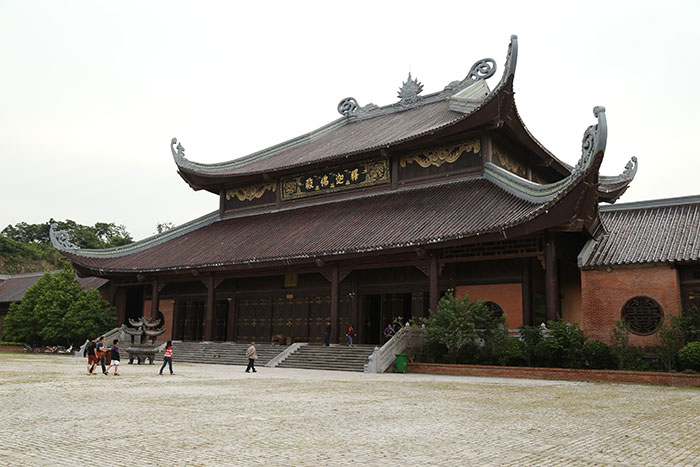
{"x":408,"y":93}
{"x":348,"y":107}
{"x":180,"y":153}
{"x":594,"y":141}
{"x":483,"y":69}
{"x":61,"y":239}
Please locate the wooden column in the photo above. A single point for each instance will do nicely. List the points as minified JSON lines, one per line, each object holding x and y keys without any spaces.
{"x":335,"y":305}
{"x":434,"y":290}
{"x":528,"y":311}
{"x":551,"y":279}
{"x":209,"y":314}
{"x":355,"y":311}
{"x":154,"y":299}
{"x":232,"y":320}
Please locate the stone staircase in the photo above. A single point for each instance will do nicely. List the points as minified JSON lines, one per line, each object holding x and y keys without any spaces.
{"x":341,"y":358}
{"x":222,"y":353}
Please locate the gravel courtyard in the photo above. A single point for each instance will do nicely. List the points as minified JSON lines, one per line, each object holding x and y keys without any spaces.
{"x":52,"y":413}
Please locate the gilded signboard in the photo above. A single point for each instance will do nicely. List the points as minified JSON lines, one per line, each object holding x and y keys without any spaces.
{"x":362,"y":174}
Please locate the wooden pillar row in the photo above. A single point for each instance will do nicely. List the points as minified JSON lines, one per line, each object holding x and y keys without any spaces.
{"x":528,"y":311}
{"x":232,"y":319}
{"x":434,"y":272}
{"x":155,"y":301}
{"x":335,"y":305}
{"x":209,"y":314}
{"x":551,"y":280}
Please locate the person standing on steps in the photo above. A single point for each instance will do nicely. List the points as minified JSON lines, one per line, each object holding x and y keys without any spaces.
{"x":327,"y":336}
{"x":350,"y":333}
{"x":251,"y":354}
{"x":168,"y":357}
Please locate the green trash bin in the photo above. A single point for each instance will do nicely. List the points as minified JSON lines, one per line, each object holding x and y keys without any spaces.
{"x":401,"y":363}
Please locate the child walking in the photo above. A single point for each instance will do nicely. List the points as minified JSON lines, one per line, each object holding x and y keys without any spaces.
{"x":168,"y":357}
{"x":115,"y":358}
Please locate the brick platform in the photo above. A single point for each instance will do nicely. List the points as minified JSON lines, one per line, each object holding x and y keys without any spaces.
{"x":601,"y":376}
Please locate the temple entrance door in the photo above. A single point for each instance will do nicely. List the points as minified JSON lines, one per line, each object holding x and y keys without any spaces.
{"x":371,"y":319}
{"x":134,"y":303}
{"x":380,"y":310}
{"x":190,"y":320}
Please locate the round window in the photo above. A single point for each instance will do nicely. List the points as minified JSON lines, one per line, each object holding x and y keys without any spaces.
{"x":642,"y":315}
{"x":495,"y":309}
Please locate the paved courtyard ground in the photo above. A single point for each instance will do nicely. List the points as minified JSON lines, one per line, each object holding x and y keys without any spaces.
{"x":52,"y":413}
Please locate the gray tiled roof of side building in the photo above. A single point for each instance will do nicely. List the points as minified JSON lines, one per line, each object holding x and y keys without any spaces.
{"x":655,"y":231}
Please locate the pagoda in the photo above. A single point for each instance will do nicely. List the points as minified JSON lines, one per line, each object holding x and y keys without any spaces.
{"x":375,"y":216}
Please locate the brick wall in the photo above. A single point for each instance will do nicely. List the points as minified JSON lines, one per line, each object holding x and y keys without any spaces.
{"x":508,"y":296}
{"x":604,"y":294}
{"x":602,"y":376}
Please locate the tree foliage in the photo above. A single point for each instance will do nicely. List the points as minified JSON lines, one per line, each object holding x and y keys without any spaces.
{"x":57,"y":310}
{"x":27,"y":247}
{"x":460,"y":323}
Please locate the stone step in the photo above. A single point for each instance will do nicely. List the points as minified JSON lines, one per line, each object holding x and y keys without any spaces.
{"x":340,"y":358}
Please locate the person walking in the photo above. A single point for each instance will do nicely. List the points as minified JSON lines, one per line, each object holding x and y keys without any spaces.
{"x":99,"y":356}
{"x":168,"y":357}
{"x":327,"y":336}
{"x":90,"y":354}
{"x":115,"y":358}
{"x":252,"y":355}
{"x":350,"y":333}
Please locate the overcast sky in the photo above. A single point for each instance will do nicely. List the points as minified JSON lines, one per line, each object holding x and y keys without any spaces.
{"x":91,"y":92}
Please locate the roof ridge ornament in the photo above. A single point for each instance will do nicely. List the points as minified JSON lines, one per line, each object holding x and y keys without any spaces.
{"x":348,"y":107}
{"x":483,"y":69}
{"x":594,"y":141}
{"x":60,"y":239}
{"x":408,"y":92}
{"x":180,"y":153}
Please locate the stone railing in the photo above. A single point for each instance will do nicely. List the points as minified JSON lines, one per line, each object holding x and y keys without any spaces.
{"x":282,"y":356}
{"x":116,"y":333}
{"x":407,"y":338}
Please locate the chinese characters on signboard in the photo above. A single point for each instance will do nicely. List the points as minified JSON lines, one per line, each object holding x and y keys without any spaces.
{"x":362,"y":174}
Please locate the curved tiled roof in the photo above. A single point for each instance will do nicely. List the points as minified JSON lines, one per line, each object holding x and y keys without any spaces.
{"x":365,"y":131}
{"x":402,"y":218}
{"x":659,"y":231}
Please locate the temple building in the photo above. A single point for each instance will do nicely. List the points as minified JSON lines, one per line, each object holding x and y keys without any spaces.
{"x":377,"y":214}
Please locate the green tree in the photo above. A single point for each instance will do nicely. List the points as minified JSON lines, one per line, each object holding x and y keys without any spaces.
{"x":454,"y":323}
{"x":58,"y":310}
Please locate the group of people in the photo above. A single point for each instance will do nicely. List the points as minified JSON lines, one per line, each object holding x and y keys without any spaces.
{"x":98,"y":353}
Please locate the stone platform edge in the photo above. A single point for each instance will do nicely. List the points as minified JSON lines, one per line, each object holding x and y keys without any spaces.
{"x":11,"y":348}
{"x":601,"y":376}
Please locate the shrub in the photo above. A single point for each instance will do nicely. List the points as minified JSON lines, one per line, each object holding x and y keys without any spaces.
{"x":510,"y":351}
{"x":530,"y":336}
{"x":598,"y":356}
{"x":628,"y":357}
{"x":672,"y":337}
{"x":12,"y":344}
{"x":548,"y":353}
{"x":570,"y":339}
{"x":689,"y":356}
{"x":455,"y":323}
